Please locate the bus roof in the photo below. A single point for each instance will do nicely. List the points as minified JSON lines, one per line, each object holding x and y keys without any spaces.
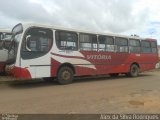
{"x":5,"y":30}
{"x":27,"y":25}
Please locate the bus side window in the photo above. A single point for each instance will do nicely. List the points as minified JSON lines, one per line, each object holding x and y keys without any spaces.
{"x":134,"y":46}
{"x":146,"y":46}
{"x":106,"y":43}
{"x":154,"y":46}
{"x":66,"y":40}
{"x":88,"y":42}
{"x":122,"y":44}
{"x":94,"y":43}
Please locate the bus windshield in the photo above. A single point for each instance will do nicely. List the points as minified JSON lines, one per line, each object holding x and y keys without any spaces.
{"x":16,"y":35}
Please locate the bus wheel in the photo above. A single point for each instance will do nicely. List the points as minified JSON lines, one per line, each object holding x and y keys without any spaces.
{"x":65,"y":75}
{"x":134,"y":71}
{"x":114,"y":75}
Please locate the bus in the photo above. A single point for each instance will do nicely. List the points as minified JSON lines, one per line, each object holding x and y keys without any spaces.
{"x":5,"y":37}
{"x":41,"y":51}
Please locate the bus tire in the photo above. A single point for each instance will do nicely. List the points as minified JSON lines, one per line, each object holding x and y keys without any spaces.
{"x":134,"y":71}
{"x":65,"y":75}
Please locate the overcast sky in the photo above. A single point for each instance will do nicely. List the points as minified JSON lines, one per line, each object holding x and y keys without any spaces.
{"x":141,"y":17}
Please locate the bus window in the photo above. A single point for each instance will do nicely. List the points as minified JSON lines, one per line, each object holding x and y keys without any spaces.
{"x":146,"y":46}
{"x":106,"y":43}
{"x":37,"y":42}
{"x":154,"y":47}
{"x":88,"y":42}
{"x":135,"y":46}
{"x":94,"y":44}
{"x":122,"y":44}
{"x":67,"y":40}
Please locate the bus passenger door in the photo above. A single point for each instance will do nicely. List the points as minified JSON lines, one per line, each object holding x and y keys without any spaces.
{"x":35,"y":52}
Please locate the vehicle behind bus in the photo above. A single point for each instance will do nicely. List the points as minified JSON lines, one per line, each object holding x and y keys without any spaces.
{"x":5,"y":41}
{"x":40,"y":51}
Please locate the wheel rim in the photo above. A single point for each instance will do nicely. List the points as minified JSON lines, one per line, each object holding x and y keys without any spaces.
{"x":66,"y":75}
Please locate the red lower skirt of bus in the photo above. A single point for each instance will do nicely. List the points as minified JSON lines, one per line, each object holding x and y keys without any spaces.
{"x":18,"y":72}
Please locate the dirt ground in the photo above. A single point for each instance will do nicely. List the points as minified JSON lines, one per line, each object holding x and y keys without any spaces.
{"x":94,"y":95}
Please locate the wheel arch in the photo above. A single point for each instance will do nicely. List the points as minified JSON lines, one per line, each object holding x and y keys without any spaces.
{"x":135,"y":63}
{"x":67,"y":65}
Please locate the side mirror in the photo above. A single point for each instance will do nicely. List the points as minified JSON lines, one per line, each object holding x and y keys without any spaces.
{"x":28,"y":42}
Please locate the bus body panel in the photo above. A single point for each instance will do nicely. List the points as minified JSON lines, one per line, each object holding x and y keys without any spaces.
{"x":148,"y":61}
{"x":117,"y":64}
{"x":39,"y":67}
{"x":90,"y":64}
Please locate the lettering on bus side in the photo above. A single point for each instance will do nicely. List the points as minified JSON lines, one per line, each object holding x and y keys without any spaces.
{"x":99,"y":57}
